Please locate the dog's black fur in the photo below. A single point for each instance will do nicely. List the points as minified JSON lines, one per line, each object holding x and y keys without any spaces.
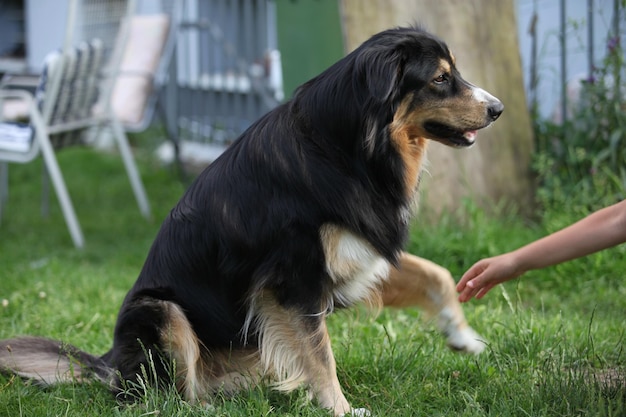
{"x":243,"y":245}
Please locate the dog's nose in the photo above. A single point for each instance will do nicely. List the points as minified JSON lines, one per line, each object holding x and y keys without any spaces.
{"x":495,"y":109}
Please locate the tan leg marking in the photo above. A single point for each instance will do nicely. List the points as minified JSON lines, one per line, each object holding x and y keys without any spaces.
{"x":424,"y":284}
{"x":296,"y":350}
{"x":199,"y":372}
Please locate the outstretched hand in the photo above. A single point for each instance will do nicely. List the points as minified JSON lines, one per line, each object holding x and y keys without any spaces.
{"x":486,"y":274}
{"x":599,"y":230}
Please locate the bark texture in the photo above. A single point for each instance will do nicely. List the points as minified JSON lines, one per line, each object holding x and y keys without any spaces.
{"x":482,"y":35}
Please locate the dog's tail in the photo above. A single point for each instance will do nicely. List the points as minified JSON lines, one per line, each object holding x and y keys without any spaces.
{"x":49,"y":361}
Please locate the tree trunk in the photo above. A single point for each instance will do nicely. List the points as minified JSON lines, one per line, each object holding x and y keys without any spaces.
{"x":483,"y":37}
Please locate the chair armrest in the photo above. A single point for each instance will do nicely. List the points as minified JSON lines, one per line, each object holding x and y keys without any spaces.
{"x":16,"y":94}
{"x":23,"y":81}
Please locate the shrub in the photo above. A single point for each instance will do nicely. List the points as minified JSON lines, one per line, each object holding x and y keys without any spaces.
{"x":582,"y":162}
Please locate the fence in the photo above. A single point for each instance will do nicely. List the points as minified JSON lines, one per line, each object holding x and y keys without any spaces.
{"x":561,"y":43}
{"x":228,"y":70}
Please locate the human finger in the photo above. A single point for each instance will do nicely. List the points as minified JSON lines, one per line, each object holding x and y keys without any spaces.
{"x":483,"y":291}
{"x":469,"y":291}
{"x":471,"y":274}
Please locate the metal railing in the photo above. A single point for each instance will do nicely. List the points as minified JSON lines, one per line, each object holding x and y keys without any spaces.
{"x":228,"y":70}
{"x":564,"y":41}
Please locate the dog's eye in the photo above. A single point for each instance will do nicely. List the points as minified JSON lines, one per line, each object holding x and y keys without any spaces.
{"x":443,"y":78}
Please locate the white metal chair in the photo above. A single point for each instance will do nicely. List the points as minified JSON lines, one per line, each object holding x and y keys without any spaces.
{"x":72,"y":95}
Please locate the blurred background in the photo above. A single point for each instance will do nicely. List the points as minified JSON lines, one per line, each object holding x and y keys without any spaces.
{"x":217,"y":65}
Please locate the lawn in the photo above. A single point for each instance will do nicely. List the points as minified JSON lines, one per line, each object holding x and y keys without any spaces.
{"x":556,"y":337}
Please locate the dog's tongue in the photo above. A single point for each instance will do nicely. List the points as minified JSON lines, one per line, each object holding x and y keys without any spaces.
{"x":470,"y":135}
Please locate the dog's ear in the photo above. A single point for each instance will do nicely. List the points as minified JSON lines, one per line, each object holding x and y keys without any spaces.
{"x":379,"y":70}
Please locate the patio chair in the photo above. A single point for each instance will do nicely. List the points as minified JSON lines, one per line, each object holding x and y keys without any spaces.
{"x":69,"y":91}
{"x":145,"y":75}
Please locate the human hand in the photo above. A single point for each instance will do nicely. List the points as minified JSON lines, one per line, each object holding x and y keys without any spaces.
{"x":486,"y":274}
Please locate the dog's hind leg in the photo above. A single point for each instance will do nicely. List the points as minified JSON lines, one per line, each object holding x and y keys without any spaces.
{"x":422,"y":283}
{"x":155,"y":340}
{"x":200,"y":373}
{"x":295,"y":349}
{"x":156,"y":344}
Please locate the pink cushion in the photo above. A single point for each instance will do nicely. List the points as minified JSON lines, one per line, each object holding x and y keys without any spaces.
{"x":15,"y":109}
{"x":144,"y":47}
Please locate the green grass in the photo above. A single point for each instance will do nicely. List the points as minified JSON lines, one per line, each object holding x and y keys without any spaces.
{"x":556,"y":337}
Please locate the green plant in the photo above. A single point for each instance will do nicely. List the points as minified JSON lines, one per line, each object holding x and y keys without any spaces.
{"x":583,"y":160}
{"x":555,"y":337}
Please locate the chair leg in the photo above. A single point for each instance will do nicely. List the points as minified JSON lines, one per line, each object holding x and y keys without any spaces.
{"x":45,"y":192}
{"x":170,"y":126}
{"x":56,"y":176}
{"x":4,"y":186}
{"x":131,"y":168}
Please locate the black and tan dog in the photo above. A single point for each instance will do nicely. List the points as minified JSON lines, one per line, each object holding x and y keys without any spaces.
{"x":306,"y":212}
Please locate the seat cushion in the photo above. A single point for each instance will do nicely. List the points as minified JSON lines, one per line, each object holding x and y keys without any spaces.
{"x":15,"y":137}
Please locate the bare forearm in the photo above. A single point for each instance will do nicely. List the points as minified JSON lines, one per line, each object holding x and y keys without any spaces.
{"x":600,"y":230}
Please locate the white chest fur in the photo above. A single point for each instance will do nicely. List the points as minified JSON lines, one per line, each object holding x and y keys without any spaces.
{"x":353,"y":264}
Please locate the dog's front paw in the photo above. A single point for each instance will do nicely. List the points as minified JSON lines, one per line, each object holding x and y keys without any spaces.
{"x":357,"y":412}
{"x":466,"y":340}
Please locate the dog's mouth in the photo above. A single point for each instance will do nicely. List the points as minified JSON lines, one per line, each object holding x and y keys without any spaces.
{"x":451,"y":136}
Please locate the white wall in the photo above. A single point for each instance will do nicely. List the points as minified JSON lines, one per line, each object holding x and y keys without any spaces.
{"x":548,"y":46}
{"x":45,"y":29}
{"x":45,"y":26}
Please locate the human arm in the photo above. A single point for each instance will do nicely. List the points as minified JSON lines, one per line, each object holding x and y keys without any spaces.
{"x":599,"y":230}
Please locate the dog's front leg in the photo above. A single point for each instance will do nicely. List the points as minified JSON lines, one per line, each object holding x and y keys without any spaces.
{"x":323,"y":381}
{"x":422,"y":283}
{"x":295,"y":348}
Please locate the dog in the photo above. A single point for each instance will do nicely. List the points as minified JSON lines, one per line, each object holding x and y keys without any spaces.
{"x":305,"y":213}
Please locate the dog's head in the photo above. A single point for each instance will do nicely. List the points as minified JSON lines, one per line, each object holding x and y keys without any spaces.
{"x":414,"y":74}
